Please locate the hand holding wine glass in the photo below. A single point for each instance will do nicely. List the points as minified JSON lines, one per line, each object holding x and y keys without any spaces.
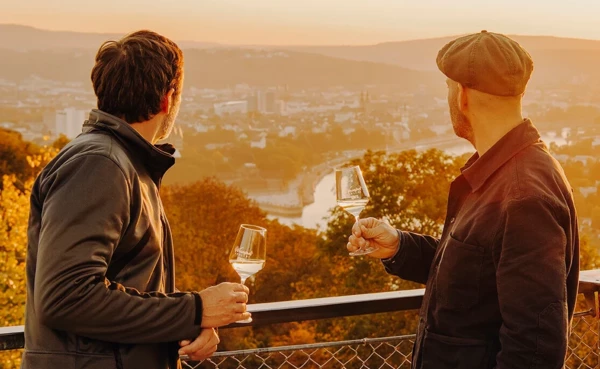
{"x":376,"y":233}
{"x":352,"y":196}
{"x":249,"y":252}
{"x":223,"y":304}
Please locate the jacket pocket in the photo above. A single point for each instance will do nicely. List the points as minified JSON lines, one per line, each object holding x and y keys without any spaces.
{"x":61,"y":360}
{"x":445,"y":352}
{"x":91,"y":347}
{"x":458,"y":277}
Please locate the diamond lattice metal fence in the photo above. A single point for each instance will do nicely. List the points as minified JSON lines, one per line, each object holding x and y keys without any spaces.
{"x":584,"y":343}
{"x":381,"y":353}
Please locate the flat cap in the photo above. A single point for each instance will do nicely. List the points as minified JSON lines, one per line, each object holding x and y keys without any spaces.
{"x":488,"y":62}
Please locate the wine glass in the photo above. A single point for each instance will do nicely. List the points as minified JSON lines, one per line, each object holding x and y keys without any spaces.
{"x":249,"y":252}
{"x":352,"y":196}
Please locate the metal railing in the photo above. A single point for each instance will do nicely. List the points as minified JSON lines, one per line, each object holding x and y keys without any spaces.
{"x":387,"y":352}
{"x":384,"y":352}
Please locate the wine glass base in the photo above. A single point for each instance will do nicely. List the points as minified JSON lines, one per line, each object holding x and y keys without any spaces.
{"x":364,"y":251}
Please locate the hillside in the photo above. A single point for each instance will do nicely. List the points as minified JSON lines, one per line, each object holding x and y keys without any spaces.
{"x":224,"y":67}
{"x":556,"y":59}
{"x":69,"y":55}
{"x":420,"y":54}
{"x":25,"y":38}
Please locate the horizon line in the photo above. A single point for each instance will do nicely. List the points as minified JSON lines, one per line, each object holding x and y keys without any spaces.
{"x":299,"y":45}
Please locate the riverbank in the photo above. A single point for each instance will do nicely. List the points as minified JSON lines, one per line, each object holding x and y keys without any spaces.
{"x":310,"y":196}
{"x":290,"y":204}
{"x":300,"y":192}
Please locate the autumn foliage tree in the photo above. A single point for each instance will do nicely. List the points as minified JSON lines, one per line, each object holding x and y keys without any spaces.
{"x":205,"y":217}
{"x":14,"y":213}
{"x":13,"y":242}
{"x":409,"y":189}
{"x":13,"y":156}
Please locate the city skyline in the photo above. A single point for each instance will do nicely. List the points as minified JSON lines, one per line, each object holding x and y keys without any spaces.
{"x":331,"y":22}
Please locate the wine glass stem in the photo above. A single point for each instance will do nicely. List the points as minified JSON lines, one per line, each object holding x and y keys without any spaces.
{"x":357,"y":217}
{"x":244,"y":280}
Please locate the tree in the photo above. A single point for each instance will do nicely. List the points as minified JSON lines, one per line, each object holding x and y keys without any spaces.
{"x":205,"y":217}
{"x":60,"y":142}
{"x":13,"y":155}
{"x":14,"y":214}
{"x":14,"y":205}
{"x":409,"y":189}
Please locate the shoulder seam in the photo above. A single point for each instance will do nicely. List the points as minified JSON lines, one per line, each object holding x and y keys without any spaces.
{"x":83,"y":155}
{"x":554,"y":206}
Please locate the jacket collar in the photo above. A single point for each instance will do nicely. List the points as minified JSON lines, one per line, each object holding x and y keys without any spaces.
{"x":156,"y":158}
{"x":479,"y":169}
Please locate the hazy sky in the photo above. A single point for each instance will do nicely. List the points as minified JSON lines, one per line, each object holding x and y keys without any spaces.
{"x":310,"y":21}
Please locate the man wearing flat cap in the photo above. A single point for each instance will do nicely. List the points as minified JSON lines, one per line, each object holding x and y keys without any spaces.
{"x":501,"y":282}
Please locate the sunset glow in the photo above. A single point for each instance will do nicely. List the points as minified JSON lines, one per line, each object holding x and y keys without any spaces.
{"x":311,"y":21}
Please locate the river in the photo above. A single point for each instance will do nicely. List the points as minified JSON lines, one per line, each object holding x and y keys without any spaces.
{"x":315,"y":215}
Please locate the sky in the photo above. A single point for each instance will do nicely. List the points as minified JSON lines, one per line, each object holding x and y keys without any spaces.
{"x":310,"y":22}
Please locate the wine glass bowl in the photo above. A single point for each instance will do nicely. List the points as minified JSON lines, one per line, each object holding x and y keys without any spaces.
{"x":249,"y":252}
{"x":352,"y":195}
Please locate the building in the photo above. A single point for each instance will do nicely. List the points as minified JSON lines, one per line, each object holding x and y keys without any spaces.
{"x":293,"y":107}
{"x":270,"y":104}
{"x":365,"y":102}
{"x":586,"y":191}
{"x":231,"y":107}
{"x":344,"y":117}
{"x":281,"y":107}
{"x":256,"y":102}
{"x":69,"y":122}
{"x":253,"y":103}
{"x":287,"y":131}
{"x":258,"y":139}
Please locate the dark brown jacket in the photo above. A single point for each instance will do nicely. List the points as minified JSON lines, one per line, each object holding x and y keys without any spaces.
{"x":502,"y":280}
{"x":100,"y":266}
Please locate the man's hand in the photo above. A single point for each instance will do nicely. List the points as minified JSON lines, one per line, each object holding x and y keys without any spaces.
{"x":202,"y":347}
{"x":224,"y":304}
{"x":373,"y":232}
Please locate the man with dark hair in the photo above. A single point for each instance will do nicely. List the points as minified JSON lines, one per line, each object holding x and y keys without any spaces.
{"x":501,"y":282}
{"x":100,"y":264}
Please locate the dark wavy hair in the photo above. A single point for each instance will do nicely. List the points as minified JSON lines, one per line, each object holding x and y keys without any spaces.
{"x":132,"y":75}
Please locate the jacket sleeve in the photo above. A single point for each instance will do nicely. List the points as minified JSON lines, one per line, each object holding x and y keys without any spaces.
{"x":85,"y":211}
{"x":413,"y":259}
{"x":531,"y":281}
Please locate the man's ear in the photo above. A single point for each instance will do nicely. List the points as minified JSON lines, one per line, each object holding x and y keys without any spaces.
{"x":462,"y":97}
{"x":167,"y":102}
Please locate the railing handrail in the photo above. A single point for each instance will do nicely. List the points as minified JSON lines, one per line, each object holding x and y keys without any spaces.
{"x":333,"y":307}
{"x":290,"y":311}
{"x":12,"y":337}
{"x":320,"y":308}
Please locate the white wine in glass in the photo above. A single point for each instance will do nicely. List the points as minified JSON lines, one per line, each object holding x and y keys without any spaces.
{"x":249,"y":253}
{"x":352,"y":195}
